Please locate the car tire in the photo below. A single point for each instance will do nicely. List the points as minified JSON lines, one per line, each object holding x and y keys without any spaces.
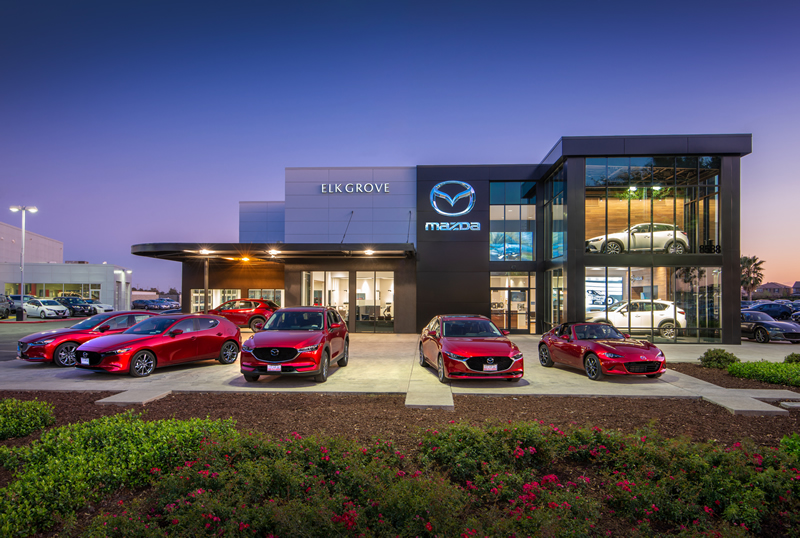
{"x":592,"y":366}
{"x":251,"y":378}
{"x":667,"y":329}
{"x":544,"y":357}
{"x":345,"y":354}
{"x":64,"y":355}
{"x":4,"y":314}
{"x":440,"y":373}
{"x":653,"y":376}
{"x":71,"y":313}
{"x":228,"y":353}
{"x":143,"y":364}
{"x":675,"y":247}
{"x":253,"y":322}
{"x":514,"y":379}
{"x":613,"y":247}
{"x":761,"y":335}
{"x":422,"y":361}
{"x":324,"y":363}
{"x":42,"y":315}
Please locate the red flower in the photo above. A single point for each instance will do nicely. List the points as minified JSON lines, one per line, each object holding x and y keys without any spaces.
{"x":429,"y":526}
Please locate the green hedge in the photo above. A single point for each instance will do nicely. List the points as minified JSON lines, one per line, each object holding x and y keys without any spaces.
{"x":21,"y":418}
{"x":718,"y":358}
{"x":780,"y":373}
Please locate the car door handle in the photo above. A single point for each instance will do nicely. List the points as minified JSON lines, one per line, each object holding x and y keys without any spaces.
{"x":219,"y":334}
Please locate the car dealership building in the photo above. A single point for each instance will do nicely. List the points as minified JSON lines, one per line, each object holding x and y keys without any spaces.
{"x":642,"y":231}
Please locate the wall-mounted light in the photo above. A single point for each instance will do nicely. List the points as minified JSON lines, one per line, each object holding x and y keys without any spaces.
{"x":245,"y":259}
{"x":274,"y":252}
{"x":129,"y":271}
{"x":369,"y":252}
{"x":205,"y":252}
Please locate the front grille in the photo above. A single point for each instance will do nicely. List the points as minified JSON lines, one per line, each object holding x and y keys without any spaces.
{"x":476,"y":363}
{"x":94,"y":357}
{"x":792,"y":336}
{"x":644,"y":367}
{"x":275,"y":354}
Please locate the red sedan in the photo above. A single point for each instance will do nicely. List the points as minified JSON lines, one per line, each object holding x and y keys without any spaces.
{"x":600,"y":349}
{"x":297,"y":341}
{"x":59,"y":345}
{"x":469,"y":347}
{"x":162,"y":341}
{"x":246,"y":312}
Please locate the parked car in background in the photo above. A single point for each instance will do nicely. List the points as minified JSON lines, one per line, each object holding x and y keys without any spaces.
{"x":744,"y":305}
{"x":99,"y":307}
{"x":246,"y":312}
{"x":162,"y":341}
{"x":796,"y":316}
{"x":45,"y":308}
{"x":171,"y":304}
{"x":600,"y":349}
{"x":59,"y":345}
{"x":5,"y":306}
{"x":665,"y":237}
{"x":148,"y":304}
{"x":172,"y":311}
{"x":16,"y":303}
{"x":469,"y":347}
{"x":775,"y":310}
{"x":300,"y":341}
{"x":76,"y":306}
{"x":762,"y":327}
{"x":641,"y":315}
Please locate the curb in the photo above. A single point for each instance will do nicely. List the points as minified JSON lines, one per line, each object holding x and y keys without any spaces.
{"x":35,"y":321}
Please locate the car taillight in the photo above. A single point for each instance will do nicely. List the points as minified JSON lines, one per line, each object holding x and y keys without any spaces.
{"x":681,"y":312}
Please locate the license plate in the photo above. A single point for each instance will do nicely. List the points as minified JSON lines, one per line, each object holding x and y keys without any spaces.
{"x":85,"y":360}
{"x":273,"y":368}
{"x":489,"y":367}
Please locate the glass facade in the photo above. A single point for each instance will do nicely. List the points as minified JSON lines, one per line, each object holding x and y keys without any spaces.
{"x":374,"y":294}
{"x":555,"y":293}
{"x":216,"y":297}
{"x":273,"y":295}
{"x":661,"y":304}
{"x":512,"y":222}
{"x":647,"y":204}
{"x":514,"y":300}
{"x":87,"y":291}
{"x":555,"y":214}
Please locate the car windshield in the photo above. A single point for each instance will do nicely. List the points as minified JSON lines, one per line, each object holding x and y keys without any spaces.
{"x":618,"y":305}
{"x":50,"y":302}
{"x":90,"y":323}
{"x":151,"y":326}
{"x":598,"y":331}
{"x":465,"y":328}
{"x":756,"y":316}
{"x":294,"y":321}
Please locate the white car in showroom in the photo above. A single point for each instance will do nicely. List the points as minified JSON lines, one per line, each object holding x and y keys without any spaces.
{"x":665,"y":237}
{"x":45,"y":308}
{"x":640,"y":316}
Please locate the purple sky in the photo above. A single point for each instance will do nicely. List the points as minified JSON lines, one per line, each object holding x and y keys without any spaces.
{"x":148,"y":121}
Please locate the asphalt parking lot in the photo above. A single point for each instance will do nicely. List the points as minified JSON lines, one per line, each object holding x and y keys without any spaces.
{"x":387,"y":363}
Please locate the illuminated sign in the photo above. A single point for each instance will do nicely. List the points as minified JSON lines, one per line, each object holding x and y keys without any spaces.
{"x":450,"y":193}
{"x":331,"y":188}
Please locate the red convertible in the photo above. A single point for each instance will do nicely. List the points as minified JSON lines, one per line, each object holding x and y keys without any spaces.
{"x":599,"y":349}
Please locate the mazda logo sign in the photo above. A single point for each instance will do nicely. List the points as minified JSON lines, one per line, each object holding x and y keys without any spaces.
{"x":274,"y":352}
{"x":490,"y":360}
{"x":85,"y":355}
{"x":464,"y":190}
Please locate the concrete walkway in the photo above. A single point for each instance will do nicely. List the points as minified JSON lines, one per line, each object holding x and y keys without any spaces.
{"x":388,"y":364}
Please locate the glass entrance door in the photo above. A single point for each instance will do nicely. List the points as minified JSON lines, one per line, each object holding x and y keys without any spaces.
{"x":510,"y":309}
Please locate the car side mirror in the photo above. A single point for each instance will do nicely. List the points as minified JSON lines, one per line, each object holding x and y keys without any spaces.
{"x":103,"y":328}
{"x":565,"y":337}
{"x":626,"y":335}
{"x":258,"y":326}
{"x":505,"y":332}
{"x":175,"y":332}
{"x":336,"y":325}
{"x":431,"y":333}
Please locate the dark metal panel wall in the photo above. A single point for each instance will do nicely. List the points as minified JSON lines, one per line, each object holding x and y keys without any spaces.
{"x":575,"y":300}
{"x":730,"y":224}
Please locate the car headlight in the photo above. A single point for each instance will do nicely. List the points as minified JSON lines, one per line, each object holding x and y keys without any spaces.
{"x":119,"y":351}
{"x":612,"y":355}
{"x":248,"y":346}
{"x":517,"y":356}
{"x":309,"y":349}
{"x":774,"y":330}
{"x":42,"y":342}
{"x":453,"y":356}
{"x":660,"y":355}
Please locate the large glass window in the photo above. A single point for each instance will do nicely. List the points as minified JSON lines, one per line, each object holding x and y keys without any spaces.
{"x":555,"y":215}
{"x":375,"y":301}
{"x":273,"y":295}
{"x":556,"y":295}
{"x":513,"y":300}
{"x":664,"y":204}
{"x":512,"y":222}
{"x":661,"y":304}
{"x":216,"y":297}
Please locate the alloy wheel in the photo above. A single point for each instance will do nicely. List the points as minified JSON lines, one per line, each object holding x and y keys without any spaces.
{"x":544,"y":356}
{"x":143,"y":364}
{"x":65,"y":354}
{"x":593,"y":369}
{"x":613,"y":247}
{"x":228,"y":353}
{"x":667,"y":330}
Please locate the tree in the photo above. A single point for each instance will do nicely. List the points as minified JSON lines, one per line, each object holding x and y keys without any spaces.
{"x":173,"y":291}
{"x":752,"y":274}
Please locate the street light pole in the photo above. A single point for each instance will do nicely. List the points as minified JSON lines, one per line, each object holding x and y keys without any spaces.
{"x":24,"y":209}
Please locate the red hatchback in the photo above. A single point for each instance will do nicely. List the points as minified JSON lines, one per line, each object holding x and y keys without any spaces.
{"x":469,"y":347}
{"x":297,"y":341}
{"x":246,"y":312}
{"x":599,"y":349}
{"x":162,"y":341}
{"x":59,"y":345}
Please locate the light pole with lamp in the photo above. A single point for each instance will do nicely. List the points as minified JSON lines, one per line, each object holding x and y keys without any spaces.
{"x":24,"y":209}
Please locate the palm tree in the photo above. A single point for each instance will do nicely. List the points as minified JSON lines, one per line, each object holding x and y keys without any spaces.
{"x":752,"y":274}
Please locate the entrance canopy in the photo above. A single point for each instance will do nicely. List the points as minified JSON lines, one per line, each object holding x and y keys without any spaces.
{"x":181,"y":252}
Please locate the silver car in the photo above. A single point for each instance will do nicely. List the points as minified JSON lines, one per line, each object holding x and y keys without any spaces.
{"x":664,"y":237}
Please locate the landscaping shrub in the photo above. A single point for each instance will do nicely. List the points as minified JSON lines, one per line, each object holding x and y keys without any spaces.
{"x":718,"y":358}
{"x":791,"y":444}
{"x":73,"y":465}
{"x":21,"y":418}
{"x":792,"y":358}
{"x":769,"y":372}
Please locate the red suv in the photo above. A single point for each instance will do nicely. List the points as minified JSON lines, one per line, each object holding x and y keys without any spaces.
{"x":297,"y":341}
{"x":246,"y":312}
{"x":59,"y":345}
{"x":469,"y":347}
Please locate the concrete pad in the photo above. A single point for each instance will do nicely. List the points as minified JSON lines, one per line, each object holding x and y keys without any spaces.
{"x":790,"y":405}
{"x":134,"y":397}
{"x":742,"y":405}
